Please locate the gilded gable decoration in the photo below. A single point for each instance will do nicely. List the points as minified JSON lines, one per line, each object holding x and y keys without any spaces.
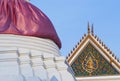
{"x":91,"y":63}
{"x":91,"y":57}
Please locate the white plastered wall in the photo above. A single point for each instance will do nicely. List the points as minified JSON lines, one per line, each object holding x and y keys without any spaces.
{"x":24,"y":58}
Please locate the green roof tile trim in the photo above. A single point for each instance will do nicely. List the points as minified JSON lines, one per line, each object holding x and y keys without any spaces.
{"x":91,"y":63}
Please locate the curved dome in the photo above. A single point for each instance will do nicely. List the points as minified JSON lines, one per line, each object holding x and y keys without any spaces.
{"x":22,"y":18}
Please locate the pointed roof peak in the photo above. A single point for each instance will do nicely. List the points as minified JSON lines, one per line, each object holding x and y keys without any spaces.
{"x":92,"y":30}
{"x":88,"y":28}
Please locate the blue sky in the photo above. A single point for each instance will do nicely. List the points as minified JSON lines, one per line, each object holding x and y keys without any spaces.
{"x":70,"y":18}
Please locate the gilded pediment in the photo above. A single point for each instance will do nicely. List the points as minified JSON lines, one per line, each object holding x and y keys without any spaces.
{"x":90,"y":62}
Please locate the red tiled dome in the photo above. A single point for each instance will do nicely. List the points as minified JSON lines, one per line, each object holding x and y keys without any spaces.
{"x":22,"y":18}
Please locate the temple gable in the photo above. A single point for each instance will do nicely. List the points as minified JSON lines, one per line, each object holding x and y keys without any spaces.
{"x":92,"y":60}
{"x":91,"y":63}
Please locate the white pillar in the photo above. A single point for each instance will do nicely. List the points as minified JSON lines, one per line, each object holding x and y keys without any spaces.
{"x":63,"y":69}
{"x":25,"y":62}
{"x":38,"y":66}
{"x":49,"y":62}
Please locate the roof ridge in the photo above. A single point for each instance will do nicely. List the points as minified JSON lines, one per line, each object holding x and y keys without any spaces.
{"x":106,"y":47}
{"x":74,"y":48}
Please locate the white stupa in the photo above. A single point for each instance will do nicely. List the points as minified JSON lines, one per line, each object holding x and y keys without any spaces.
{"x":29,"y":45}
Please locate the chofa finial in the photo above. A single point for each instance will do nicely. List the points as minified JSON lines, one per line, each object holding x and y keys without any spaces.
{"x":92,"y":30}
{"x":88,"y":28}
